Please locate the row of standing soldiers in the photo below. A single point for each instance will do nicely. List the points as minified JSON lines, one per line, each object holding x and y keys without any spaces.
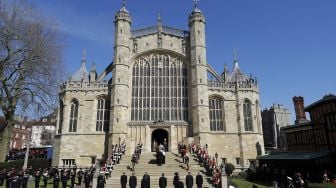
{"x":14,"y":179}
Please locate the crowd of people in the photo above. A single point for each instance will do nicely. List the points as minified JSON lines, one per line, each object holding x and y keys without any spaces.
{"x":17,"y":179}
{"x":136,"y":155}
{"x":34,"y":153}
{"x":116,"y":155}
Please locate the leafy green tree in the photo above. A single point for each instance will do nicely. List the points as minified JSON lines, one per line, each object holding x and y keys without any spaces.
{"x":229,"y":168}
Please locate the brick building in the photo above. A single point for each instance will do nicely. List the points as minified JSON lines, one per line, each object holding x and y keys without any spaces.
{"x":20,"y":133}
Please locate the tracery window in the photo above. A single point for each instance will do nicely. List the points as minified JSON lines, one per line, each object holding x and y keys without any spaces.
{"x":216,"y":114}
{"x":159,"y":89}
{"x":73,"y":116}
{"x":247,"y":115}
{"x":102,"y":115}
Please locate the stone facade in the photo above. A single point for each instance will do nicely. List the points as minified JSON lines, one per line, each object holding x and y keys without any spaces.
{"x":162,"y":87}
{"x":273,"y":119}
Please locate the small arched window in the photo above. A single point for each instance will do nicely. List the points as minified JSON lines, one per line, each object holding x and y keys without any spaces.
{"x":247,"y":115}
{"x":73,"y":116}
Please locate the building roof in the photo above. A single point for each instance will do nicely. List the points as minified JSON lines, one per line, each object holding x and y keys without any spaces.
{"x":326,"y":98}
{"x":295,"y":155}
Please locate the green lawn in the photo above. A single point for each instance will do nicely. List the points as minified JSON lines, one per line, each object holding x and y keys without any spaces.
{"x":320,"y":185}
{"x":246,"y":184}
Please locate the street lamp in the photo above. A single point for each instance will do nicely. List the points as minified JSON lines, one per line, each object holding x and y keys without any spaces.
{"x":25,"y":164}
{"x":216,"y":156}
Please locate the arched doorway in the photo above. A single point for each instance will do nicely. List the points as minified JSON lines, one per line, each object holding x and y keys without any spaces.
{"x":160,"y":136}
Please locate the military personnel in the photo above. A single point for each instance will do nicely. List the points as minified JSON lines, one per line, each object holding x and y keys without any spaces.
{"x":8,"y":179}
{"x":132,"y":181}
{"x":176,"y":179}
{"x":145,"y":183}
{"x":199,"y":180}
{"x":73,"y":177}
{"x":180,"y":184}
{"x":80,"y":176}
{"x":56,"y":180}
{"x":45,"y":178}
{"x":101,"y":181}
{"x":15,"y":182}
{"x":87,"y":179}
{"x":2,"y":176}
{"x":37,"y":176}
{"x":25,"y":178}
{"x":64,"y":179}
{"x":123,"y":180}
{"x":189,"y":180}
{"x":163,"y":181}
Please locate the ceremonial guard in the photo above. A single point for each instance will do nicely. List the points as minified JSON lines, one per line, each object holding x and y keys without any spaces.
{"x":189,"y":180}
{"x":45,"y":178}
{"x":163,"y":181}
{"x":56,"y":180}
{"x":9,"y":179}
{"x":37,"y":176}
{"x":80,"y":176}
{"x":73,"y":177}
{"x":123,"y":180}
{"x":132,"y":181}
{"x":87,"y":179}
{"x":15,"y":182}
{"x":2,"y":176}
{"x":199,"y":180}
{"x":176,"y":180}
{"x":145,"y":183}
{"x":101,"y":181}
{"x":64,"y":179}
{"x":25,"y":179}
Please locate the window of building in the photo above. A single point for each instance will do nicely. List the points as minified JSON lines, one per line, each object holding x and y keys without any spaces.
{"x":247,"y":115}
{"x":157,"y":85}
{"x":238,"y":161}
{"x":102,"y":114}
{"x":69,"y":162}
{"x":61,"y":106}
{"x":216,"y":114}
{"x":73,"y":116}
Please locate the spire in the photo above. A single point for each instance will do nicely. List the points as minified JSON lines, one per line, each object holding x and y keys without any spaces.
{"x":235,"y":55}
{"x":159,"y":21}
{"x":196,"y":3}
{"x":93,"y":67}
{"x":124,"y":3}
{"x":84,"y":55}
{"x":123,"y":8}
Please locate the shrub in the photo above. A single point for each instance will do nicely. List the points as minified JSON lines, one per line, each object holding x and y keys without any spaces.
{"x":18,"y":164}
{"x":229,"y":168}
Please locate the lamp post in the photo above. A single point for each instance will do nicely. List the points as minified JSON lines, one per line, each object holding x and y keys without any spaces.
{"x":119,"y":141}
{"x":25,"y":164}
{"x":216,"y":156}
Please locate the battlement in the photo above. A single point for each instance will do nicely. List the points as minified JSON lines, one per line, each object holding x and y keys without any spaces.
{"x":84,"y":86}
{"x":165,"y":29}
{"x":250,"y":85}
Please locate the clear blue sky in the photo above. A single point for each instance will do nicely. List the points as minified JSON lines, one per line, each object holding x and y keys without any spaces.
{"x":290,"y":45}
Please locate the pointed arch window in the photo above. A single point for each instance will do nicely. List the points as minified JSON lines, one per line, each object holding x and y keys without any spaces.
{"x":73,"y":116}
{"x":102,"y":115}
{"x":216,"y":114}
{"x":61,"y":116}
{"x":247,"y":115}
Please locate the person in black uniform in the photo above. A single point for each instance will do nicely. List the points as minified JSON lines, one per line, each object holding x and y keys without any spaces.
{"x":25,"y":178}
{"x":64,"y":179}
{"x":15,"y":182}
{"x":87,"y":179}
{"x":2,"y":176}
{"x":37,"y":176}
{"x":101,"y":181}
{"x":80,"y":176}
{"x":56,"y":180}
{"x":180,"y":184}
{"x":123,"y":180}
{"x":73,"y":177}
{"x":199,"y":180}
{"x":45,"y":177}
{"x":145,"y":183}
{"x":163,"y":181}
{"x":176,"y":179}
{"x":189,"y":180}
{"x":132,"y":181}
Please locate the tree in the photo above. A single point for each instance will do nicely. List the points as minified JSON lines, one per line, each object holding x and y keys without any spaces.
{"x":229,"y":168}
{"x":30,"y":64}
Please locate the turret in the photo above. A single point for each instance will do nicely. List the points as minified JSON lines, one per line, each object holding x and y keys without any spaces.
{"x":93,"y":73}
{"x":199,"y":88}
{"x":119,"y":115}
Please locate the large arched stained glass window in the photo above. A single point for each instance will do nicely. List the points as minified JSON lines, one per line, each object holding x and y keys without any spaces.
{"x":216,"y":112}
{"x":247,"y":115}
{"x":159,"y":88}
{"x":102,"y":114}
{"x":73,"y":116}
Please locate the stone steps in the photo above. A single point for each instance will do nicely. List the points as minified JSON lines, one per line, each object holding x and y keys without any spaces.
{"x":147,"y":163}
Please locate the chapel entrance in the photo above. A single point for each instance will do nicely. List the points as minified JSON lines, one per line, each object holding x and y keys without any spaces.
{"x":160,"y":136}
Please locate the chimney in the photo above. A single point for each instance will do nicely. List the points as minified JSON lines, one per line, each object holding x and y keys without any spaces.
{"x":299,"y":110}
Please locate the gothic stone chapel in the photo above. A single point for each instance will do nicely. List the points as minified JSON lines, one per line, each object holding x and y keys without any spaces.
{"x":162,"y":87}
